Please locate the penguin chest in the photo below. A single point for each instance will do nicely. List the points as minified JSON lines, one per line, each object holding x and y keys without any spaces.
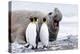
{"x":44,"y":33}
{"x":31,"y":32}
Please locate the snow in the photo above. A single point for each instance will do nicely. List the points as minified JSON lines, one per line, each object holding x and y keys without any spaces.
{"x":69,"y":42}
{"x":72,"y":19}
{"x":68,"y":26}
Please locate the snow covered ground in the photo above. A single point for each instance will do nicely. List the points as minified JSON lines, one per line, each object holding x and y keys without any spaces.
{"x":69,"y":42}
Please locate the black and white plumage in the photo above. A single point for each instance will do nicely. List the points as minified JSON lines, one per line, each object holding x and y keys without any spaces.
{"x":44,"y":33}
{"x":31,"y":33}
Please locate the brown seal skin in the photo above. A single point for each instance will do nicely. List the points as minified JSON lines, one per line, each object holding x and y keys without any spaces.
{"x":54,"y":18}
{"x":19,"y":21}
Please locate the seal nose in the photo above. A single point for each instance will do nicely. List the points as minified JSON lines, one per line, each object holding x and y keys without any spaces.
{"x":56,"y":23}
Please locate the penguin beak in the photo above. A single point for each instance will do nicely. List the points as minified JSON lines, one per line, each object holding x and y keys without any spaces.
{"x":33,"y":20}
{"x":36,"y":21}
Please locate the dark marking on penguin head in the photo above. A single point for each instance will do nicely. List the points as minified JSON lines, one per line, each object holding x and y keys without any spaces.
{"x":35,"y":18}
{"x":44,"y":19}
{"x":31,"y":19}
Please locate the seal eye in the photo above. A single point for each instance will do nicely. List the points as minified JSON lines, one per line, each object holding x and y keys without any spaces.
{"x":50,"y":13}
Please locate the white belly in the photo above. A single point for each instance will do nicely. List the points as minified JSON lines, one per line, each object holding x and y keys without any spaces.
{"x":44,"y":34}
{"x":31,"y":34}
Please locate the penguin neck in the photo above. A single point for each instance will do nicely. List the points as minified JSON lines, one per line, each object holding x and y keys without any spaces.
{"x":33,"y":22}
{"x":45,"y":22}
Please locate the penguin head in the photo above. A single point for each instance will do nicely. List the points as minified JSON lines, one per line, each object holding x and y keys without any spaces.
{"x":31,"y":19}
{"x":44,"y":20}
{"x":35,"y":19}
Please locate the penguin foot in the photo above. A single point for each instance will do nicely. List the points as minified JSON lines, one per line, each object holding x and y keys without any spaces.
{"x":36,"y":47}
{"x":45,"y":47}
{"x":27,"y":45}
{"x":30,"y":46}
{"x":33,"y":48}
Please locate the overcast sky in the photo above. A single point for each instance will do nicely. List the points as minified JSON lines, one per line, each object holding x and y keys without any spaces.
{"x":66,"y":9}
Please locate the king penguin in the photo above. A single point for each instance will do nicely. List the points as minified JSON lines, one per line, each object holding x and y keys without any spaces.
{"x":31,"y":33}
{"x":44,"y":33}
